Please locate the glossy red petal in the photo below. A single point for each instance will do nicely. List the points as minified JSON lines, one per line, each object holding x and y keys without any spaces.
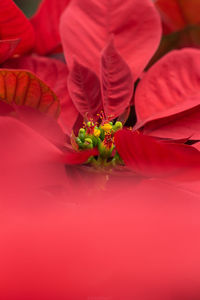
{"x":150,"y":157}
{"x":7,"y":48}
{"x":170,"y":87}
{"x":24,"y":88}
{"x":14,"y":25}
{"x":54,"y":73}
{"x":78,"y":157}
{"x":46,"y":24}
{"x":117,"y":82}
{"x":85,"y":91}
{"x":89,"y":25}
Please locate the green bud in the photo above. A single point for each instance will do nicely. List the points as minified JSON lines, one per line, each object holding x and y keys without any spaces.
{"x":118,"y":125}
{"x":79,"y":143}
{"x":88,"y":143}
{"x":81,"y":134}
{"x":90,"y":124}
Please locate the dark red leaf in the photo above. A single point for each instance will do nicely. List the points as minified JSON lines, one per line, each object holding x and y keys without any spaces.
{"x":117,"y":82}
{"x":85,"y":91}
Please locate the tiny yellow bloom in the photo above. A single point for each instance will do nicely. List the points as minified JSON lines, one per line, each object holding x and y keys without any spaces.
{"x":107,"y":127}
{"x":97,"y":132}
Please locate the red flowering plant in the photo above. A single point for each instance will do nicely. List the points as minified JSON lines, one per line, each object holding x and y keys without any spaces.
{"x":106,"y":47}
{"x":55,"y":114}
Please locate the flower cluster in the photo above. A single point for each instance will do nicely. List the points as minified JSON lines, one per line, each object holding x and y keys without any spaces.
{"x":100,"y":150}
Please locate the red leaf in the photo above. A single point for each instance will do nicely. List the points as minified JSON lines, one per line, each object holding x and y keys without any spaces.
{"x":176,"y":14}
{"x":170,"y":87}
{"x":54,"y":73}
{"x":117,"y":82}
{"x":29,"y":162}
{"x":44,"y":124}
{"x":46,"y":24}
{"x":7,"y":48}
{"x":85,"y":91}
{"x":24,"y":88}
{"x":14,"y":25}
{"x":150,"y":157}
{"x":88,"y":25}
{"x":180,"y":126}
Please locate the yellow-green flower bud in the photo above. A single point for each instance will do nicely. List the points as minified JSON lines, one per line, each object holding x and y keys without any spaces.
{"x":81,"y":134}
{"x":118,"y":125}
{"x":88,"y":144}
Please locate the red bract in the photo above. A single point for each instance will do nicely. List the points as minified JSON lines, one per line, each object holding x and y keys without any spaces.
{"x":181,"y":25}
{"x":14,"y":25}
{"x":177,"y":14}
{"x":18,"y":35}
{"x":153,"y":158}
{"x":54,"y":73}
{"x":7,"y":49}
{"x":141,"y":244}
{"x":89,"y":26}
{"x":167,"y":98}
{"x":46,"y":24}
{"x":112,"y":92}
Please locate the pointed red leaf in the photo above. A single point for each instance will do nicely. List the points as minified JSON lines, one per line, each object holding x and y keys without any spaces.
{"x":170,"y":87}
{"x":88,"y":25}
{"x":85,"y":91}
{"x":46,"y":24}
{"x":150,"y":157}
{"x":7,"y":48}
{"x":54,"y":73}
{"x":24,"y":88}
{"x":14,"y":25}
{"x":117,"y":82}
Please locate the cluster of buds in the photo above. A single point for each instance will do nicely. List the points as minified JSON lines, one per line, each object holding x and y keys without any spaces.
{"x":92,"y":135}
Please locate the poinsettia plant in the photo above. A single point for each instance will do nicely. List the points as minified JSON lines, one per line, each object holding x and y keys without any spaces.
{"x":81,"y":106}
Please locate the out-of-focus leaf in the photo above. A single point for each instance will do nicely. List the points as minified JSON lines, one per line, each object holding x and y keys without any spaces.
{"x":24,"y":88}
{"x":188,"y":37}
{"x":14,"y":25}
